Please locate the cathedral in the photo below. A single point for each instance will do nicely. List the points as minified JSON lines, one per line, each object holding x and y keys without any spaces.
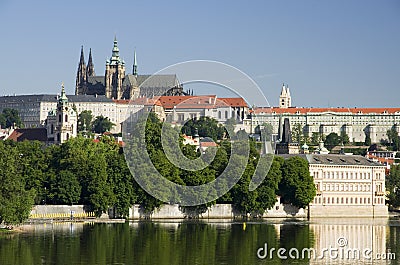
{"x":117,"y":84}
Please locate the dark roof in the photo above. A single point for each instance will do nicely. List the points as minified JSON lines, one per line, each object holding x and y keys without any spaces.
{"x":89,"y":98}
{"x":332,"y":159}
{"x":30,"y":134}
{"x":157,"y":81}
{"x":28,"y":98}
{"x":93,"y":80}
{"x":53,"y":98}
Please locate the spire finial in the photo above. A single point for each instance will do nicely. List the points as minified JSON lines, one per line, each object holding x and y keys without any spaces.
{"x":90,"y":66}
{"x":134,"y":72}
{"x":82,"y":59}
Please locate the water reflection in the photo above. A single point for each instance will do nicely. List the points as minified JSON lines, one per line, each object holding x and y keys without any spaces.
{"x":194,"y":242}
{"x":349,"y":241}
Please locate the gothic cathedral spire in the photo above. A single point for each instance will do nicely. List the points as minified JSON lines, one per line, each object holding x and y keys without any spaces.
{"x":81,"y":77}
{"x":90,"y":66}
{"x":134,"y":72}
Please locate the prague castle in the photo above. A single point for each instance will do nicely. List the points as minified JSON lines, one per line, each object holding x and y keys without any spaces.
{"x":116,"y":83}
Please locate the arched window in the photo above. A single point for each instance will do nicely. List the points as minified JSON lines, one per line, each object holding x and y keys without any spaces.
{"x":59,"y":117}
{"x":52,"y":129}
{"x":58,"y":137}
{"x":66,"y":117}
{"x":67,"y":136}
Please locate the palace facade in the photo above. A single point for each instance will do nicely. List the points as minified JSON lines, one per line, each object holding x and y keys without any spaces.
{"x":357,"y":123}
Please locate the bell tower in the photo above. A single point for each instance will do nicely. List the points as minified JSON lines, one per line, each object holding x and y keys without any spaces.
{"x":285,"y":101}
{"x":115,"y":73}
{"x":61,"y":122}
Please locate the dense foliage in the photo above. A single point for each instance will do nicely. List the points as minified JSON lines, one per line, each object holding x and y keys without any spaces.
{"x":393,"y":186}
{"x":9,"y":118}
{"x":95,"y":173}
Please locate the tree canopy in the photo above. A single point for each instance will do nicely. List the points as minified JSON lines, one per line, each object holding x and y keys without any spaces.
{"x":10,"y":117}
{"x":101,"y":124}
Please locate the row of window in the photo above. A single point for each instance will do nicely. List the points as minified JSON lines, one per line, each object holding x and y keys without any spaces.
{"x":348,"y":187}
{"x":345,"y":175}
{"x":351,"y":200}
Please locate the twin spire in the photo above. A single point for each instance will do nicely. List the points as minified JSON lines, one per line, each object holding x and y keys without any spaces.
{"x":115,"y":59}
{"x":89,"y":69}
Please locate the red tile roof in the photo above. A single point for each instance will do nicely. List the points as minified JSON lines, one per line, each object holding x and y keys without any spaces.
{"x":31,"y":134}
{"x":321,"y":110}
{"x":146,"y":101}
{"x":234,"y":102}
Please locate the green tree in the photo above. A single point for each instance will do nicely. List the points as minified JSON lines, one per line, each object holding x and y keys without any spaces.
{"x":297,"y":134}
{"x":65,"y":188}
{"x":86,"y":159}
{"x":367,"y":139}
{"x":206,"y":127}
{"x":102,"y":124}
{"x":16,"y":201}
{"x":393,"y":186}
{"x":394,"y":139}
{"x":315,"y":138}
{"x":33,"y":166}
{"x":297,"y":186}
{"x":9,"y":118}
{"x":256,"y":202}
{"x":332,"y":140}
{"x":85,"y":121}
{"x":344,"y":138}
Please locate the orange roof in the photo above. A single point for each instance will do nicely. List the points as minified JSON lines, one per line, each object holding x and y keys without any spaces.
{"x":234,"y":102}
{"x":207,"y":144}
{"x":321,"y":110}
{"x":19,"y":135}
{"x":121,"y":101}
{"x":146,"y":101}
{"x":170,"y":102}
{"x":204,"y":101}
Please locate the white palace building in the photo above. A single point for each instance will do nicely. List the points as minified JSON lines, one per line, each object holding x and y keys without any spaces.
{"x":355,"y":122}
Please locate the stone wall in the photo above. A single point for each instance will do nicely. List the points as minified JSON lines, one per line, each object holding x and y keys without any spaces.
{"x":218,"y":211}
{"x":348,"y":211}
{"x":56,"y":209}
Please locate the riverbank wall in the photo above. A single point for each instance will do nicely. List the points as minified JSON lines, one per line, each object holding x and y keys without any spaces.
{"x":217,"y":211}
{"x":167,"y":211}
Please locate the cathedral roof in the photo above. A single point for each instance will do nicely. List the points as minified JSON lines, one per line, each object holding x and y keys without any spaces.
{"x":157,"y":81}
{"x":93,"y":80}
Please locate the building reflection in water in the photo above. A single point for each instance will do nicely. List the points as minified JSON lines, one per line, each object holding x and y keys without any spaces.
{"x":349,"y":234}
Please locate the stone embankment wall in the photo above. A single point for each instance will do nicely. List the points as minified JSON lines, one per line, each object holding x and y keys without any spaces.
{"x":348,"y":211}
{"x":218,"y":211}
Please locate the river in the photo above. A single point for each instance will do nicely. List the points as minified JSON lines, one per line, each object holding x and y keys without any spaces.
{"x":319,"y":241}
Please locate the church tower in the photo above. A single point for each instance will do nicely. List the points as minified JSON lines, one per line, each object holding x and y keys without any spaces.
{"x":115,"y":73}
{"x":285,"y":101}
{"x":62,"y":121}
{"x":90,"y":66}
{"x":81,"y":76}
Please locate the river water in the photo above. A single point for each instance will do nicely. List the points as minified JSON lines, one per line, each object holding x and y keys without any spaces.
{"x":319,"y":241}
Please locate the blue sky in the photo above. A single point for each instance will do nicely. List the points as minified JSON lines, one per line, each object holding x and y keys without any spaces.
{"x":331,"y":53}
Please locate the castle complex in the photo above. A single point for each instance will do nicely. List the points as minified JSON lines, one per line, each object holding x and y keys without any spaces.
{"x":117,"y":84}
